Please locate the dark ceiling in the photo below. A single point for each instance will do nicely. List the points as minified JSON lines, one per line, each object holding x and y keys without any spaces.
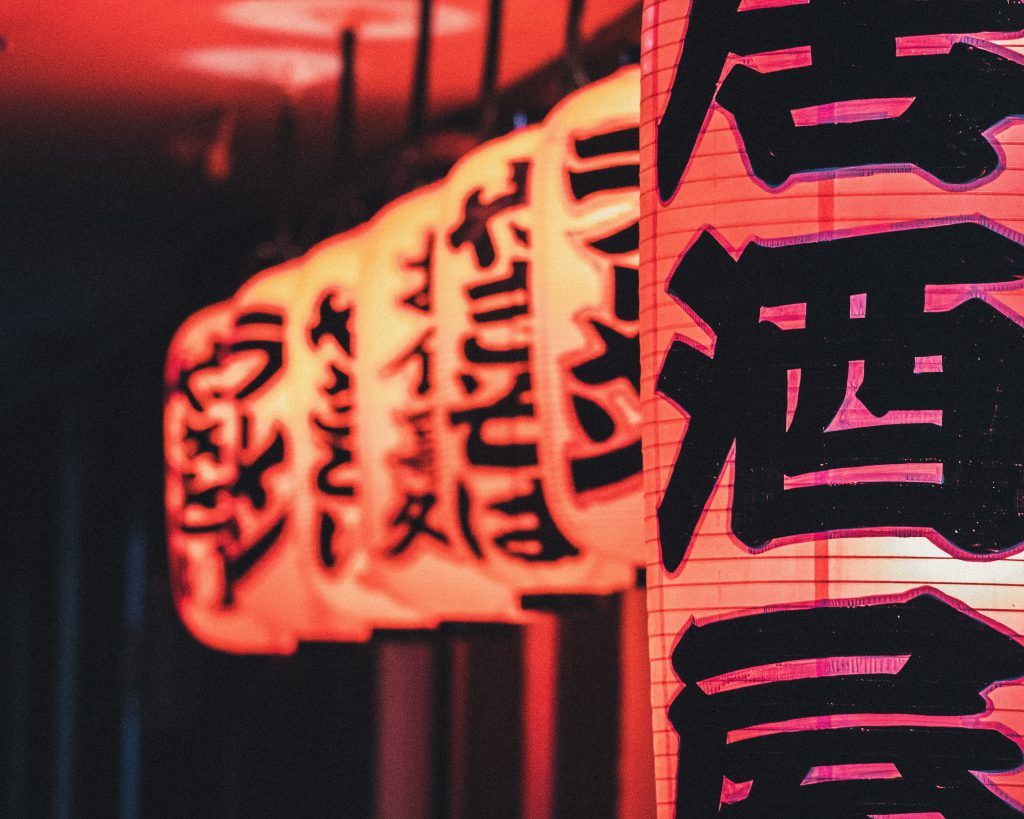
{"x":153,"y":155}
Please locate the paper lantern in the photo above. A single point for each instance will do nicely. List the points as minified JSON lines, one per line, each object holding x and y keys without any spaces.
{"x":196,"y":406}
{"x":228,"y":483}
{"x":586,"y":249}
{"x":436,"y":413}
{"x":263,"y":485}
{"x":488,"y":364}
{"x":831,"y":347}
{"x":413,"y":549}
{"x":332,"y":548}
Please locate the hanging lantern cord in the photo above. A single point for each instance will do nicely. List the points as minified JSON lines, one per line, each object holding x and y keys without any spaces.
{"x":489,"y":80}
{"x":577,"y":74}
{"x":418,"y":103}
{"x":284,"y":242}
{"x":346,"y":105}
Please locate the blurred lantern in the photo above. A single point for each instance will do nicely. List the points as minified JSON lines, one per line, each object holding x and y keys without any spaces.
{"x":488,"y":359}
{"x":263,"y":485}
{"x":330,"y":463}
{"x":229,"y":487}
{"x":338,"y":331}
{"x":430,"y":416}
{"x":586,"y":252}
{"x":834,"y":406}
{"x":413,"y":525}
{"x":197,"y":407}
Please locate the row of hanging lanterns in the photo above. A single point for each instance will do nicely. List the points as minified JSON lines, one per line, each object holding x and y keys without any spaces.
{"x":428,"y":417}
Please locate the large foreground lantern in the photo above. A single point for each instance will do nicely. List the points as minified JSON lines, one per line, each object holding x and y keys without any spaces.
{"x":832,"y":353}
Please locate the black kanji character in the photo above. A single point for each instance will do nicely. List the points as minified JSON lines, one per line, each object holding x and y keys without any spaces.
{"x":421,"y":352}
{"x":544,"y":541}
{"x":584,"y":183}
{"x":606,"y":468}
{"x":421,"y":459}
{"x":515,"y":284}
{"x":620,"y":359}
{"x":201,"y":441}
{"x":341,"y":382}
{"x":901,"y":665}
{"x":250,"y":474}
{"x":240,"y":561}
{"x":512,"y":405}
{"x":413,"y":518}
{"x":271,"y":346}
{"x":956,"y":97}
{"x":475,"y":227}
{"x":327,"y":552}
{"x":421,"y":298}
{"x":740,"y":395}
{"x":333,"y":323}
{"x":340,"y":455}
{"x":184,"y":384}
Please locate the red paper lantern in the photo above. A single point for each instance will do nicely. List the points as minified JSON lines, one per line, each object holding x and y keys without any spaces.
{"x":229,"y":484}
{"x":412,"y":547}
{"x":489,"y":364}
{"x":265,"y":515}
{"x":831,"y":323}
{"x":329,"y":336}
{"x":585,"y":297}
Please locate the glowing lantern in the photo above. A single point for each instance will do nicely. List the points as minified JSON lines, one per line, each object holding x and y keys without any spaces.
{"x":229,"y":483}
{"x":412,"y":522}
{"x":330,"y":464}
{"x":263,"y":491}
{"x":430,"y":416}
{"x":833,"y":407}
{"x":586,"y":236}
{"x":488,"y":360}
{"x":196,"y":463}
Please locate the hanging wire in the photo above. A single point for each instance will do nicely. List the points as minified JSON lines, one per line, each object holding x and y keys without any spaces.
{"x":418,"y":103}
{"x":489,"y":81}
{"x":577,"y":73}
{"x":346,"y":121}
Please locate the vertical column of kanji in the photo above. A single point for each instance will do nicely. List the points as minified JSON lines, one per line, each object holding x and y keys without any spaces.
{"x":335,"y":329}
{"x":831,"y":348}
{"x":414,"y":552}
{"x":204,"y":443}
{"x":228,"y":390}
{"x":273,"y":396}
{"x":487,"y":372}
{"x":586,"y":249}
{"x":487,"y":430}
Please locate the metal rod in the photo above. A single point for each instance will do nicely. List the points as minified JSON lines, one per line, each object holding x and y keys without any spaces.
{"x":284,"y":167}
{"x":346,"y":101}
{"x":572,"y":44}
{"x":418,"y":104}
{"x":489,"y":80}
